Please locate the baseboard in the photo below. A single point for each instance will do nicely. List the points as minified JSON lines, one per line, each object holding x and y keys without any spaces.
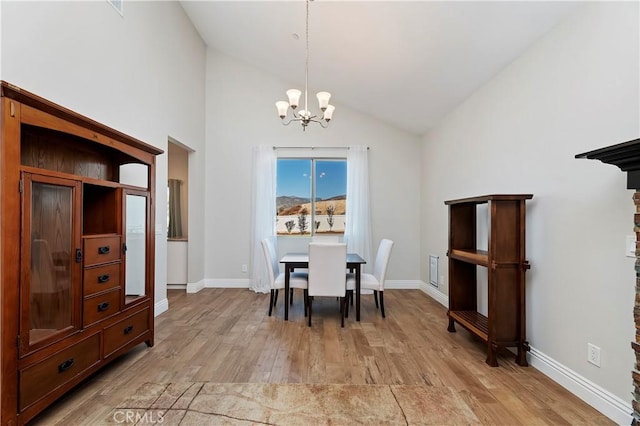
{"x":602,"y":400}
{"x":402,"y":284}
{"x":227,"y":283}
{"x":608,"y":404}
{"x":195,"y":287}
{"x":435,"y":294}
{"x":177,"y":287}
{"x":160,"y":307}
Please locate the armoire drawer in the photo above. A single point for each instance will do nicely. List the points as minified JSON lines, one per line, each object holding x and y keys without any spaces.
{"x":101,"y":278}
{"x":101,"y":306}
{"x":39,"y":379}
{"x":124,"y":331}
{"x":102,"y":249}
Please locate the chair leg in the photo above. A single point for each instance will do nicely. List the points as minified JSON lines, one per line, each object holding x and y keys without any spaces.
{"x":290,"y":296}
{"x":342,"y":309}
{"x":382,"y":303}
{"x":271,"y":302}
{"x":309,"y":304}
{"x":375,"y":297}
{"x":306,"y":301}
{"x":275,"y":299}
{"x":346,"y":303}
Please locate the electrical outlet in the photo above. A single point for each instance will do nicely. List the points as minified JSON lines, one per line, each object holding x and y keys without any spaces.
{"x":630,"y":246}
{"x":244,"y":267}
{"x":593,"y":354}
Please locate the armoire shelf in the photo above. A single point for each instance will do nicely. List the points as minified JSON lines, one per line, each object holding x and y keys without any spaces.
{"x":505,"y":322}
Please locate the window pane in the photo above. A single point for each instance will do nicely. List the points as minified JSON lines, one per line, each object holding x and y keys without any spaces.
{"x":331,"y":195}
{"x":293,"y":196}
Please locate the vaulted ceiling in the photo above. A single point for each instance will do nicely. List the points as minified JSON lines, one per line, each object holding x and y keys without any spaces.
{"x":407,"y":63}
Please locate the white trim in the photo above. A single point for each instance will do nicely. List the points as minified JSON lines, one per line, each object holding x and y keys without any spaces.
{"x":160,"y":307}
{"x":435,"y":294}
{"x":602,"y":400}
{"x":402,"y":284}
{"x":608,"y":404}
{"x":227,"y":283}
{"x":195,"y":287}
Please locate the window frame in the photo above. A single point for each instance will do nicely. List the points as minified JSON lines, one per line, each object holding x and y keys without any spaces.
{"x":314,"y":159}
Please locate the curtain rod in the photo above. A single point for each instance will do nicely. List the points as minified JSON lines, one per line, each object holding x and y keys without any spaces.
{"x":312,"y":147}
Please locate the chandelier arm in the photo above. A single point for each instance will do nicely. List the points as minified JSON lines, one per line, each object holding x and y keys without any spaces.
{"x":319,"y":121}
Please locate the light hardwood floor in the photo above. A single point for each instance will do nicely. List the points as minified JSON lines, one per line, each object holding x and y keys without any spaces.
{"x":225,"y":335}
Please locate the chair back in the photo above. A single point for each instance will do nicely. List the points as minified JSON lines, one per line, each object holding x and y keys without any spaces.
{"x":327,"y":262}
{"x":273,"y":267}
{"x":382,"y":260}
{"x":325,"y":239}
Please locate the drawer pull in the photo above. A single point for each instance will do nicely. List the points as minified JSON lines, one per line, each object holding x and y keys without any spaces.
{"x":104,"y":278}
{"x":65,"y":365}
{"x":103,"y":306}
{"x":128,"y":329}
{"x":104,"y":250}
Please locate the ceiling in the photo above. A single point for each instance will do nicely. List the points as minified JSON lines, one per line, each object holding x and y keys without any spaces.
{"x":407,"y":63}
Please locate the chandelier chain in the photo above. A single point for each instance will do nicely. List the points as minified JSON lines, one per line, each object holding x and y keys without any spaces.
{"x":306,"y":70}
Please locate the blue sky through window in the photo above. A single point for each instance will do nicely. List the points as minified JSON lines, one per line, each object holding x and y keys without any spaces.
{"x":294,"y":178}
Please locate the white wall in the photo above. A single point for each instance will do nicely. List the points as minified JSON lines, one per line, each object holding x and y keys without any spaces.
{"x":142,"y":74}
{"x":575,"y":90}
{"x":241,"y":113}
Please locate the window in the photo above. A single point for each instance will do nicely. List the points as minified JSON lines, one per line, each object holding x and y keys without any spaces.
{"x":311,"y":196}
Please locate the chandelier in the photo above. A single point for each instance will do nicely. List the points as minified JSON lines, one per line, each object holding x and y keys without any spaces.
{"x":304,"y":116}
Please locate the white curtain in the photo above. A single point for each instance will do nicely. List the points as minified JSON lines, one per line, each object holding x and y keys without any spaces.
{"x":357,"y":233}
{"x":263,"y":212}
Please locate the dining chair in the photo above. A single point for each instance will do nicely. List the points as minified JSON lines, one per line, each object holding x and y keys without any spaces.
{"x":376,"y":280}
{"x":325,"y":239}
{"x":276,"y":278}
{"x":327,"y":274}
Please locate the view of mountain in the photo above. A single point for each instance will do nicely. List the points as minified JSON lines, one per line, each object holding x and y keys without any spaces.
{"x":286,"y":201}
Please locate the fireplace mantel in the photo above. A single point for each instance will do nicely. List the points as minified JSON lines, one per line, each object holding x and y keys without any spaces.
{"x":625,"y":155}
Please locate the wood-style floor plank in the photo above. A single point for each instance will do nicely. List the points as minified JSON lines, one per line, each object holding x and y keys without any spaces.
{"x":226,"y":336}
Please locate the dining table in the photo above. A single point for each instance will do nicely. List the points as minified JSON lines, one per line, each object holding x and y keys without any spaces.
{"x":291,"y":261}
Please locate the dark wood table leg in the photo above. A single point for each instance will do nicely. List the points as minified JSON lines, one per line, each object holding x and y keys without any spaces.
{"x":287,"y":274}
{"x":358,"y":292}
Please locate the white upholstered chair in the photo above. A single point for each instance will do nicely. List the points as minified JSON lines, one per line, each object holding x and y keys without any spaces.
{"x":325,"y":239}
{"x":327,"y":274}
{"x":376,"y":280}
{"x":296,"y":280}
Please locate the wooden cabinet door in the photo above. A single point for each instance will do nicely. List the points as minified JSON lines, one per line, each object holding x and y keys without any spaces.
{"x":51,"y":260}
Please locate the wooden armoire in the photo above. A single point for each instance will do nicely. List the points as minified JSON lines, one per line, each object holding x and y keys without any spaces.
{"x":76,"y":249}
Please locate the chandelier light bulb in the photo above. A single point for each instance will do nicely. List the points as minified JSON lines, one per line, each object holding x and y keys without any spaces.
{"x":323,"y":99}
{"x":328,"y":113}
{"x":305,"y":114}
{"x":282,"y":108}
{"x":294,"y":97}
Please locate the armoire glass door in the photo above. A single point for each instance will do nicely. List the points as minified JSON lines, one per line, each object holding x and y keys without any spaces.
{"x":136,"y":264}
{"x":51,"y":259}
